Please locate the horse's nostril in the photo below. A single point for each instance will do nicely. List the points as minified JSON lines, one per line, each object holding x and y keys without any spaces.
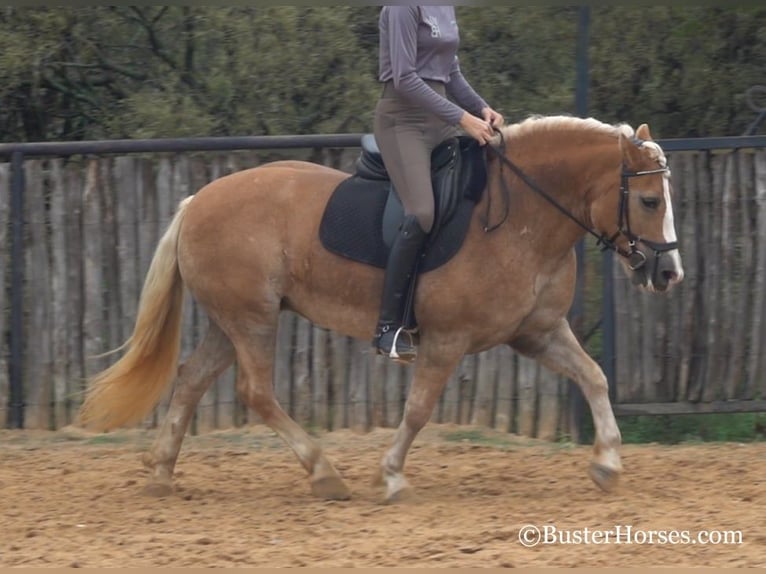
{"x":669,"y":276}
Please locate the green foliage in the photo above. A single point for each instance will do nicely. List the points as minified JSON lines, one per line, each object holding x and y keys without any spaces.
{"x":667,"y":429}
{"x":165,"y":71}
{"x":684,"y":70}
{"x":162,"y":71}
{"x":522,"y":61}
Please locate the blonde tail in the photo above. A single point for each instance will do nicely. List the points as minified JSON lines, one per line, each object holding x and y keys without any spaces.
{"x":128,"y":390}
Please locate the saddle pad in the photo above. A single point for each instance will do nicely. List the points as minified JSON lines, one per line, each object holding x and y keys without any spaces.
{"x":352,"y":225}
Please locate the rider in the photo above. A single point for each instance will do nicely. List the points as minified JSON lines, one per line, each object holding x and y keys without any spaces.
{"x":419,"y":68}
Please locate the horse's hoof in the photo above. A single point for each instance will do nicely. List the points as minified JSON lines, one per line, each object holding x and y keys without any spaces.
{"x":330,"y":488}
{"x":605,"y":478}
{"x":158,"y":490}
{"x":402,"y":496}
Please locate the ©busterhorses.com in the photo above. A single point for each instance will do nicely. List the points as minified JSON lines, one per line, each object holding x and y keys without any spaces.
{"x":246,"y":246}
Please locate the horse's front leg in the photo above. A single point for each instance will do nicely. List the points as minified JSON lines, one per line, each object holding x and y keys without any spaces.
{"x":434,"y":366}
{"x":564,"y":355}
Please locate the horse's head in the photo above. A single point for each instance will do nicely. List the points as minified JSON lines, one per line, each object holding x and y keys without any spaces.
{"x":639,"y":220}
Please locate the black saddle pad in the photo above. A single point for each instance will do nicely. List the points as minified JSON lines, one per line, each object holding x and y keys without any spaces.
{"x":352,"y":225}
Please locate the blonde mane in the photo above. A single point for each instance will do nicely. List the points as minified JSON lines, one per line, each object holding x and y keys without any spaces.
{"x":535,"y":124}
{"x":538,"y":124}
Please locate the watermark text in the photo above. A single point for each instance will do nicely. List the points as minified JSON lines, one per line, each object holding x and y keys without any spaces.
{"x":532,"y":535}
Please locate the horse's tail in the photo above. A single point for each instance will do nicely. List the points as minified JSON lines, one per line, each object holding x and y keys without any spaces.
{"x":128,"y":390}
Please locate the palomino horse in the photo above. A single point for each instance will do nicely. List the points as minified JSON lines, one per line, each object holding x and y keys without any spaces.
{"x":246,"y":246}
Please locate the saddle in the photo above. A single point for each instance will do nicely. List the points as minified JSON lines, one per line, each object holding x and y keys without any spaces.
{"x":364,"y":213}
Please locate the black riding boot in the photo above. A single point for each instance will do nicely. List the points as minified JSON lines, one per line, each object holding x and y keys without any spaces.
{"x":390,"y":339}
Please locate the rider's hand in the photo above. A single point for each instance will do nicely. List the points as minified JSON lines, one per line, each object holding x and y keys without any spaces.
{"x":494,"y":118}
{"x":477,"y":128}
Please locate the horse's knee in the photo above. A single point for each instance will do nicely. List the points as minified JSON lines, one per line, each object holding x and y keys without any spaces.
{"x":595,"y":386}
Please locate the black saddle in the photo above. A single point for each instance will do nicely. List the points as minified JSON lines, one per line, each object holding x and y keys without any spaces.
{"x":364,"y":212}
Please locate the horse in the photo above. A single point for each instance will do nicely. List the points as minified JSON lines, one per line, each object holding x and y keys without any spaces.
{"x":246,"y":247}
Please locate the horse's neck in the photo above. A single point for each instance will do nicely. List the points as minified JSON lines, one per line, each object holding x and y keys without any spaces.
{"x":570,"y":176}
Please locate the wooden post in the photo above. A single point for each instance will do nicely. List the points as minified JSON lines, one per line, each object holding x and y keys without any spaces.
{"x":624,"y":331}
{"x":378,"y":372}
{"x":93,"y":305}
{"x":38,"y":379}
{"x":127,"y":242}
{"x":550,"y":403}
{"x":757,"y":363}
{"x":486,"y":383}
{"x":303,"y":409}
{"x":688,"y":288}
{"x":697,"y":359}
{"x":320,"y":372}
{"x":715,"y":266}
{"x":505,"y":388}
{"x":747,"y":207}
{"x":62,"y":330}
{"x":74,"y":184}
{"x":737,"y":288}
{"x":359,"y":389}
{"x":528,"y":386}
{"x":672,"y":313}
{"x":5,"y":208}
{"x":652,"y":323}
{"x":467,"y":376}
{"x":396,"y":382}
{"x":283,"y":365}
{"x":110,"y":257}
{"x":339,"y":346}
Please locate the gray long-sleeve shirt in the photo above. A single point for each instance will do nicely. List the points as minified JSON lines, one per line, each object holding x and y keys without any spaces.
{"x":420,"y":43}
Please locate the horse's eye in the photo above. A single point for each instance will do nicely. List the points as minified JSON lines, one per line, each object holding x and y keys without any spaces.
{"x":650,"y":202}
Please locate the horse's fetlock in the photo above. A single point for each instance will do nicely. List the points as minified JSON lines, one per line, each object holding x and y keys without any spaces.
{"x":148,"y":460}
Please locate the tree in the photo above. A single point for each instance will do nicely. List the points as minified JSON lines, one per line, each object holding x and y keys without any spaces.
{"x":175,"y":71}
{"x":160,"y":71}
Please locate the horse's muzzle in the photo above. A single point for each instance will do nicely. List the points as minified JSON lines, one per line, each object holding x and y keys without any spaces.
{"x":655,"y":271}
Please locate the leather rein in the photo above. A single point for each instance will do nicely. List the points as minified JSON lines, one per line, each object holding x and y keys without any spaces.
{"x":636,"y":259}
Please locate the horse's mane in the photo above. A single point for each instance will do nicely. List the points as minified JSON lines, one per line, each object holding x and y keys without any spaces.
{"x":540,"y":124}
{"x":536,"y":124}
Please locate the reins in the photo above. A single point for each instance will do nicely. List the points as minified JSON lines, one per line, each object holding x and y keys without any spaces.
{"x":636,"y":258}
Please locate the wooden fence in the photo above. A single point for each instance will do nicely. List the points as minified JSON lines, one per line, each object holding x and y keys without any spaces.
{"x":92,"y":225}
{"x":706,"y":341}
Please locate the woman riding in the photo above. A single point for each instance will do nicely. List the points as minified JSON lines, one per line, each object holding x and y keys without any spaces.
{"x":419,"y":68}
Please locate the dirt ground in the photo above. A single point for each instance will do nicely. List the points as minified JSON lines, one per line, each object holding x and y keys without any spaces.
{"x":69,"y":499}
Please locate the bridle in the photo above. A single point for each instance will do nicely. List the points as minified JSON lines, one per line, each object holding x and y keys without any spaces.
{"x":636,"y":259}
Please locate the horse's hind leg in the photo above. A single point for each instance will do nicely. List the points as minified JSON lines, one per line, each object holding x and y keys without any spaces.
{"x":564,"y":355}
{"x":195,"y":375}
{"x":255,"y":385}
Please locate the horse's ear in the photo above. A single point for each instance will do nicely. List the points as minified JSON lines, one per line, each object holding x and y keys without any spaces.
{"x":643,"y":133}
{"x":631,"y":154}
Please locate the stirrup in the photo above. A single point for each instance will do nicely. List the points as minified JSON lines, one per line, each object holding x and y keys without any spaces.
{"x":392,"y":353}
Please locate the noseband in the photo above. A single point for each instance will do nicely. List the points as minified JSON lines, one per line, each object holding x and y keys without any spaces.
{"x":636,"y":259}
